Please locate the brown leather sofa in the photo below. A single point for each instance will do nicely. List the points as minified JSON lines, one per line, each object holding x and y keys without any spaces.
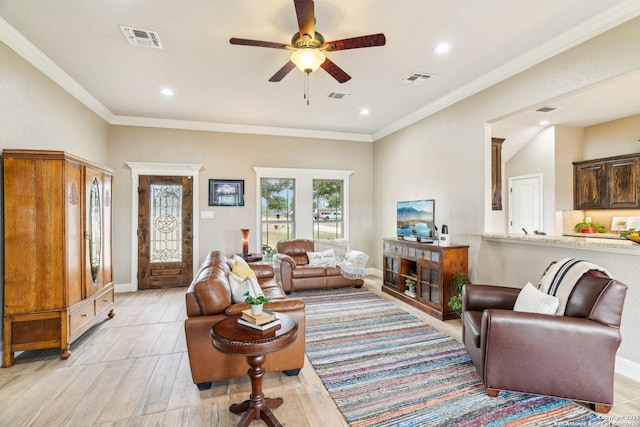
{"x":208,"y":301}
{"x":570,"y":356}
{"x":294,"y":273}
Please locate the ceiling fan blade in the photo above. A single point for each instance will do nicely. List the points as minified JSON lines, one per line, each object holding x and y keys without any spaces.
{"x":335,"y":71}
{"x":306,"y":17}
{"x":282,"y":72}
{"x":356,"y":42}
{"x":259,"y":43}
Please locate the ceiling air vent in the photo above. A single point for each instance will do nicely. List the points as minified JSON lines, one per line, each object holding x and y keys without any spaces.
{"x":416,"y":79}
{"x":338,"y":95}
{"x":546,"y":109}
{"x":140,"y":37}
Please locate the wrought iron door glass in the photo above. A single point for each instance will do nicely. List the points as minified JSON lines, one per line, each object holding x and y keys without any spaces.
{"x":166,"y":223}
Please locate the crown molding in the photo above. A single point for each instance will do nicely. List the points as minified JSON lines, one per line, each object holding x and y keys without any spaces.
{"x":596,"y":25}
{"x":27,"y":50}
{"x":235,"y":128}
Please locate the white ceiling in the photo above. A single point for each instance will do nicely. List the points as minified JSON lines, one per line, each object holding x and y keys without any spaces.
{"x":219,"y":86}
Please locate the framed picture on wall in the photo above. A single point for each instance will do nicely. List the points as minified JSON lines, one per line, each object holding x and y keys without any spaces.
{"x":226,"y":192}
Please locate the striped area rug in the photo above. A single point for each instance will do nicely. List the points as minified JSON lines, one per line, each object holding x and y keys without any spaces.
{"x":384,"y":367}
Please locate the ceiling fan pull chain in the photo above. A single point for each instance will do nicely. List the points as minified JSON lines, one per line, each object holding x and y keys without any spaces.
{"x":306,"y":87}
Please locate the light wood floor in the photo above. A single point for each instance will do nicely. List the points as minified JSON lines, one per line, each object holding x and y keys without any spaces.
{"x":133,"y":370}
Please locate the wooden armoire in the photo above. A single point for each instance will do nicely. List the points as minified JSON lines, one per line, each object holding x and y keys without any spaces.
{"x":57,"y":249}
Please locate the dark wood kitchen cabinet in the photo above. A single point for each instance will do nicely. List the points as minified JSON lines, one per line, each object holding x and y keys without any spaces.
{"x":496,"y":173}
{"x":609,"y":183}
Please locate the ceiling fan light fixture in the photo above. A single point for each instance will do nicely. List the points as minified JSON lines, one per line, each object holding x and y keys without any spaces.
{"x":308,"y":60}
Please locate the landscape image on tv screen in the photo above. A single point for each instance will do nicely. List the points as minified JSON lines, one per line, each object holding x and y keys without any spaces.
{"x":415,"y":218}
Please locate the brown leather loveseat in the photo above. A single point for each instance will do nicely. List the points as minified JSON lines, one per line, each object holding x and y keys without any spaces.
{"x":208,"y":301}
{"x":294,"y":273}
{"x":569,"y":356}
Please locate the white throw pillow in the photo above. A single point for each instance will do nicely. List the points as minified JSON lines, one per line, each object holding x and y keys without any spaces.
{"x":321,"y":258}
{"x":230,"y":262}
{"x":239,"y":286}
{"x":533,"y":300}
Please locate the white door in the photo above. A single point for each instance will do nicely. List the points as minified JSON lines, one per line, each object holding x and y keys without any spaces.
{"x":525,"y":204}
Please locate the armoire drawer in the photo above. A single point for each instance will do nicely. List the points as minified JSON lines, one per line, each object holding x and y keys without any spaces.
{"x":104,"y":301}
{"x":81,"y":317}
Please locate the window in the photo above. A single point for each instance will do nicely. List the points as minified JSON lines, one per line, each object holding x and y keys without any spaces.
{"x":298,"y":195}
{"x":327,"y":209}
{"x":277,"y":207}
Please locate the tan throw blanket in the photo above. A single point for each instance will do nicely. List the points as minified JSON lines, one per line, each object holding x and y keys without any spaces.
{"x":562,"y":276}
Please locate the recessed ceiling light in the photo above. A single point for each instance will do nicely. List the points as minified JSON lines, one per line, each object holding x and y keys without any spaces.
{"x":364,"y":112}
{"x":166,"y":92}
{"x":543,"y":122}
{"x":442,"y":48}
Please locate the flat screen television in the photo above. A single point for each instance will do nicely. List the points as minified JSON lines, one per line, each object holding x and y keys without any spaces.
{"x":416,"y":220}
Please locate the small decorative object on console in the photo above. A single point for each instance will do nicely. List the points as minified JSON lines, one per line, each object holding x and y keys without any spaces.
{"x":245,"y":240}
{"x":410,"y":285}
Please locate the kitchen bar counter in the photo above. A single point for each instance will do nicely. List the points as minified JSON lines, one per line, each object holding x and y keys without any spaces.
{"x":600,"y":243}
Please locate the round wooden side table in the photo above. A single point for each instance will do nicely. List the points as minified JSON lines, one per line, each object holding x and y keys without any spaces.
{"x":251,"y":257}
{"x":231,"y":337}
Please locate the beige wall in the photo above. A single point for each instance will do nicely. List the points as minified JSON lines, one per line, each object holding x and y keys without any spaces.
{"x":445,"y":156}
{"x":233,"y":156}
{"x":612,"y":138}
{"x":569,"y":143}
{"x":35,"y":113}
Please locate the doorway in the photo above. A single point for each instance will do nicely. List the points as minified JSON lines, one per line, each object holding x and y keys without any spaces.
{"x":525,"y":204}
{"x":139,"y":169}
{"x":165,"y":231}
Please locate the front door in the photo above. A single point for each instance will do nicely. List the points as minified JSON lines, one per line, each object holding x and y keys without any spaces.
{"x":165,"y":233}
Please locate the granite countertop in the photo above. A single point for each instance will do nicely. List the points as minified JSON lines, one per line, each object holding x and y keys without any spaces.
{"x":604,"y":243}
{"x":595,"y":235}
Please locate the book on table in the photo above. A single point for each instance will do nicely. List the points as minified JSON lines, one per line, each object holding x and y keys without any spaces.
{"x":258,"y":319}
{"x":263,"y":327}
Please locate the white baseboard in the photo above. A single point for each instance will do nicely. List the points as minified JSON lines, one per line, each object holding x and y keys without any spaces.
{"x":123,"y":287}
{"x":628,"y":368}
{"x":374,"y":272}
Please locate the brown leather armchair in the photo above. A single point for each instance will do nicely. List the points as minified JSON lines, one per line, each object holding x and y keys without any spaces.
{"x":570,"y":356}
{"x":293,"y":271}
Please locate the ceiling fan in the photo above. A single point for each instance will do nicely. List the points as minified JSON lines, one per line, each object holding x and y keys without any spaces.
{"x":309,"y":46}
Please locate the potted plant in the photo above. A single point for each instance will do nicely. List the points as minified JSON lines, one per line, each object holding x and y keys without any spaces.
{"x":410,"y":286}
{"x":269,"y":254}
{"x":255,"y":302}
{"x":588,"y":227}
{"x":459,"y":280}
